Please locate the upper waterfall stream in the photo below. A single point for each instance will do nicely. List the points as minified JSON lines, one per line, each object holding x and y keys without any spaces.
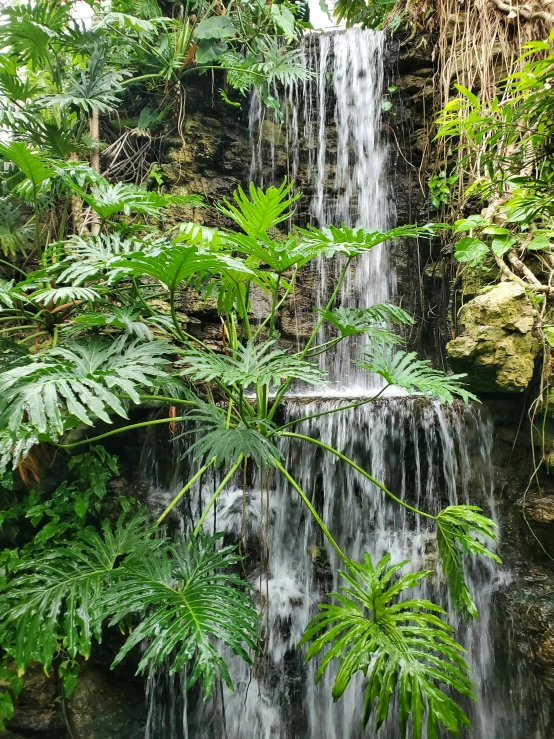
{"x":428,"y":455}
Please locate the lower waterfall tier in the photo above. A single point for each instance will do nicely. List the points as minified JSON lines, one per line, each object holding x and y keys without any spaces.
{"x":430,"y":456}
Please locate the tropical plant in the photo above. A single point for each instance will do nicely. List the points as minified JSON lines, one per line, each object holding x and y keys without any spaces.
{"x":508,"y":164}
{"x":402,"y":647}
{"x":113,"y":333}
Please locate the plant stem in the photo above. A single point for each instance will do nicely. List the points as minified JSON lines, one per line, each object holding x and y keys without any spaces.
{"x":279,"y":304}
{"x":360,"y":470}
{"x":143,"y":424}
{"x":180,"y":494}
{"x":333,"y":410}
{"x":216,"y":495}
{"x":329,"y":305}
{"x":13,"y":266}
{"x":312,"y":510}
{"x":274,"y":306}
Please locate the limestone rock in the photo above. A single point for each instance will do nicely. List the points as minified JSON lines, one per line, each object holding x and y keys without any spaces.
{"x":496,"y":347}
{"x":541,"y":510}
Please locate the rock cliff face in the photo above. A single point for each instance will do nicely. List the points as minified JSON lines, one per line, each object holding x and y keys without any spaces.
{"x":496,"y":347}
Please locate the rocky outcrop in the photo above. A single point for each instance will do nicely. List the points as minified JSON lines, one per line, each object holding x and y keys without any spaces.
{"x":122,"y":713}
{"x":496,"y":347}
{"x":38,"y":711}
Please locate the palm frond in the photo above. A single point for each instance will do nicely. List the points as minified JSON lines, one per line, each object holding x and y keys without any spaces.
{"x":401,"y":646}
{"x":404,"y":370}
{"x":252,"y":363}
{"x":30,"y":28}
{"x":457,"y":527}
{"x":263,"y":210}
{"x":55,"y":597}
{"x":186,"y":597}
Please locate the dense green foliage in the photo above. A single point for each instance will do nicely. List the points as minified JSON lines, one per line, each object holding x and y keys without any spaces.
{"x":92,"y":327}
{"x":509,"y":167}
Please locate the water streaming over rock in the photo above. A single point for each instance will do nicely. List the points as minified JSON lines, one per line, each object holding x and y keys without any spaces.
{"x":428,"y":455}
{"x":333,"y":139}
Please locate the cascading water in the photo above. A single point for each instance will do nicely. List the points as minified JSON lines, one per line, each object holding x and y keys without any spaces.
{"x":428,"y":455}
{"x":431,"y":457}
{"x":335,"y":148}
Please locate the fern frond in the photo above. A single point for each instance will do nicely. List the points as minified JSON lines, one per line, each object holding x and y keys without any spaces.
{"x":406,"y":371}
{"x":457,"y":527}
{"x":402,"y":647}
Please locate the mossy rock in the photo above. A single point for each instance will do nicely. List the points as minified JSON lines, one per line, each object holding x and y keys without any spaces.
{"x":496,"y":347}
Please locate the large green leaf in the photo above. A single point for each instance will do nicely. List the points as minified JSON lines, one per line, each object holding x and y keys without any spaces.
{"x":252,"y":363}
{"x":225,"y":442}
{"x":457,"y":527}
{"x":369,"y":321}
{"x":53,"y":599}
{"x":81,"y":380}
{"x":404,"y":370}
{"x":34,"y":165}
{"x":216,"y":27}
{"x":402,"y":647}
{"x":178,"y":263}
{"x":352,"y":241}
{"x":186,"y":599}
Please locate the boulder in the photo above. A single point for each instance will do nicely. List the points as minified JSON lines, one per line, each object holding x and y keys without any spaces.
{"x":496,"y":347}
{"x":37,"y":710}
{"x":105,"y":706}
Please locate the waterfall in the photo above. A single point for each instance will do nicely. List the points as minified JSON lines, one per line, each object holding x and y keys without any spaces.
{"x":336,"y":152}
{"x":331,"y":141}
{"x":430,"y":456}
